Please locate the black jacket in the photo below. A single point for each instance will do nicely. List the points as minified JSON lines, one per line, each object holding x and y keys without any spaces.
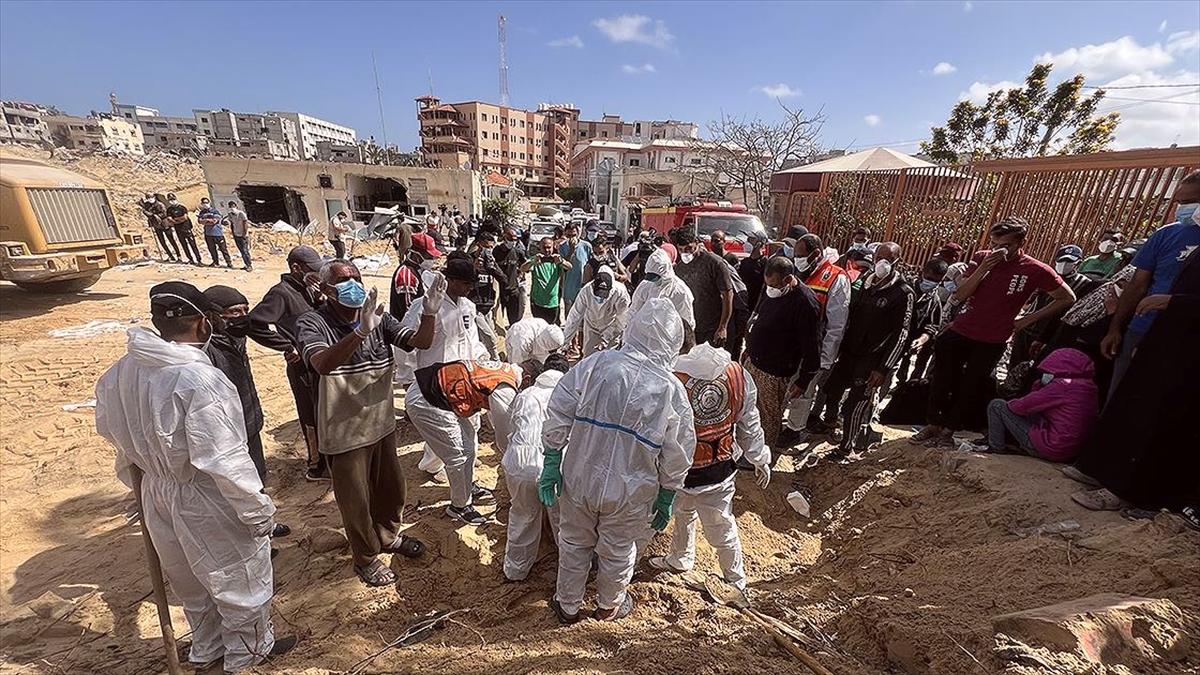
{"x":228,"y":354}
{"x":784,"y":335}
{"x":878,"y":323}
{"x":273,"y":320}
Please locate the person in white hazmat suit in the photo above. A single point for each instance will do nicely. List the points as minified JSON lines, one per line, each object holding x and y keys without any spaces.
{"x":172,"y":415}
{"x":531,"y":338}
{"x":618,"y":442}
{"x":522,"y":463}
{"x":659,"y":281}
{"x":600,"y":312}
{"x":723,"y":399}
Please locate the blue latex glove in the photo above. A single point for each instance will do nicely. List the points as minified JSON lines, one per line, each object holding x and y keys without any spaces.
{"x":551,"y":480}
{"x":662,"y":509}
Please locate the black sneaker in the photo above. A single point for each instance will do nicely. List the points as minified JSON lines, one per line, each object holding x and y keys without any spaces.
{"x":564,"y":618}
{"x":315,"y":474}
{"x":284,"y":645}
{"x":280,"y":530}
{"x":818,"y":426}
{"x":466,"y":515}
{"x":482,"y":494}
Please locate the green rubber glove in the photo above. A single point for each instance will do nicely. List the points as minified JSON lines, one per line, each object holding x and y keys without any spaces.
{"x":550,"y":482}
{"x":662,"y":509}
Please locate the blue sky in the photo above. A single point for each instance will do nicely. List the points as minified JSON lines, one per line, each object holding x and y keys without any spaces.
{"x":872,"y":67}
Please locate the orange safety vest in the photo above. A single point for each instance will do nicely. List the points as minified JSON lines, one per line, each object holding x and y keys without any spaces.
{"x":467,"y":384}
{"x":822,"y":279}
{"x":716,"y":405}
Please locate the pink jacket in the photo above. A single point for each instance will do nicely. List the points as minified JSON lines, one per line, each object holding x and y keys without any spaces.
{"x":1064,"y":411}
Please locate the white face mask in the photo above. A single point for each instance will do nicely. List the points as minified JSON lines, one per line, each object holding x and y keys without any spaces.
{"x":1064,"y":267}
{"x":686,"y":258}
{"x":1108,"y":246}
{"x":883,"y":268}
{"x":802,"y":265}
{"x":1047,"y":378}
{"x":773,"y":292}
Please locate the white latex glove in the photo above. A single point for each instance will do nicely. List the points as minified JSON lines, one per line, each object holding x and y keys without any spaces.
{"x":370,"y":315}
{"x":762,"y":476}
{"x":434,"y":295}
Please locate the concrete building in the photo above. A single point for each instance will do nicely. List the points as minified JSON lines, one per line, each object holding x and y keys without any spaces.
{"x":328,"y":151}
{"x":613,"y":128}
{"x":249,"y":134}
{"x":530,"y":147}
{"x":99,"y":131}
{"x":310,"y":130}
{"x":23,"y":123}
{"x":306,"y":192}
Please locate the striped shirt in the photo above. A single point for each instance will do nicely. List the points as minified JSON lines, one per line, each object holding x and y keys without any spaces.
{"x":354,"y":401}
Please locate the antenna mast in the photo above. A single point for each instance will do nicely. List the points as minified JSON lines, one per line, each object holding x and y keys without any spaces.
{"x":379,"y":97}
{"x":503,"y":60}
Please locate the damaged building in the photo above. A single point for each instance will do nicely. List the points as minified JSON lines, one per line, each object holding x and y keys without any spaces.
{"x":299,"y":193}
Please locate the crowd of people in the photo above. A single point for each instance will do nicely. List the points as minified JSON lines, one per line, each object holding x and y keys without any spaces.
{"x":643,"y":377}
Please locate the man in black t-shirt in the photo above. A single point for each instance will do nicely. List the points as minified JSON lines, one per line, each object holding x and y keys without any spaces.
{"x":708,"y":278}
{"x":510,"y":255}
{"x":177,"y":216}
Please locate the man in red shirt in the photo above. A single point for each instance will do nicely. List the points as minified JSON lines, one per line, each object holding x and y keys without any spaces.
{"x":996,"y":285}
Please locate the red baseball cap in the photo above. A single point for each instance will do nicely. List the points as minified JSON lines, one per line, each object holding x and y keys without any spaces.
{"x":423,"y":244}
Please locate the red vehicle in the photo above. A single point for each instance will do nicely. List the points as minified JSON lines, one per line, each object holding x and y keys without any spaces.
{"x":704,"y":218}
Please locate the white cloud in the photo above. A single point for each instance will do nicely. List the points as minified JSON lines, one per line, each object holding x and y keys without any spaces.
{"x":779,"y":90}
{"x":639,"y":70}
{"x":944,"y":68}
{"x":636,"y":28}
{"x":1184,"y":41}
{"x":873,"y":120}
{"x":572,"y":41}
{"x":1159,"y":123}
{"x":978,"y":91}
{"x":968,"y":6}
{"x":1109,"y":59}
{"x":1162,"y":27}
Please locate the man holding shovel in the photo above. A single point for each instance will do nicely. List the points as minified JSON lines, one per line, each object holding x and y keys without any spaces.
{"x":177,"y":426}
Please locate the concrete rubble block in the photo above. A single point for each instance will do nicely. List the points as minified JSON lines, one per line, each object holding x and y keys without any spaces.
{"x":1104,"y":628}
{"x":325,"y":539}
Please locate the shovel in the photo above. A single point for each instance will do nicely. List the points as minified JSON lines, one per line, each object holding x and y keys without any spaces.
{"x":724,"y":594}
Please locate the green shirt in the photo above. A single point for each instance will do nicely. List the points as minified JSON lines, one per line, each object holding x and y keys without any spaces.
{"x":546,"y":282}
{"x":1103,"y":265}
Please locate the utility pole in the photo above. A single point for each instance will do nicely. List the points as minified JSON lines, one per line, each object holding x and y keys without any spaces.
{"x":382,"y":122}
{"x":501,"y":22}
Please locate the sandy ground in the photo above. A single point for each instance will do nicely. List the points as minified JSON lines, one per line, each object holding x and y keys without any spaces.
{"x":909,"y":553}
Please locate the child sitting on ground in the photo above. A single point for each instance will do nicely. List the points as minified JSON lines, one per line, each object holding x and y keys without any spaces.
{"x":1052,"y":421}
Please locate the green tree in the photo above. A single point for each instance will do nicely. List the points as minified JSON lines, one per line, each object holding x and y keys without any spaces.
{"x":499,"y":211}
{"x":1027,"y":121}
{"x":577,"y":196}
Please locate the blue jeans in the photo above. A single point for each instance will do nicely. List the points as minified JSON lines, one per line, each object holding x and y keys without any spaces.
{"x":243,"y":245}
{"x":1004,"y":424}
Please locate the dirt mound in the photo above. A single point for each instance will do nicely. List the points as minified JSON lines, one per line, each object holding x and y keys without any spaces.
{"x":910,"y":555}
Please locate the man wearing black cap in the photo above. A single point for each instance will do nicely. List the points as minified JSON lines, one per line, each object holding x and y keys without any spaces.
{"x":1029,"y":342}
{"x":176,"y":421}
{"x":273,"y":325}
{"x":348,"y":341}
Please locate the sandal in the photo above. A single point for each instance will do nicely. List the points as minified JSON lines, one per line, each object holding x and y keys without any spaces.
{"x":406,"y":546}
{"x":618,"y":613}
{"x":376,"y":574}
{"x":1098,"y":500}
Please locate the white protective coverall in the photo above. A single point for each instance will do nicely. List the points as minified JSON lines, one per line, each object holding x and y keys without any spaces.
{"x":625,"y":426}
{"x":531,"y":338}
{"x":522,"y":463}
{"x":170,"y":413}
{"x":837,"y":310}
{"x":667,"y":286}
{"x":601,"y":320}
{"x":713,"y":504}
{"x":454,"y":440}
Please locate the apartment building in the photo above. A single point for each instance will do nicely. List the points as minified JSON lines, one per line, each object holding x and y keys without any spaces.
{"x":160,"y":132}
{"x":99,"y":131}
{"x":613,"y":128}
{"x":310,"y":130}
{"x":530,"y":147}
{"x":23,"y":122}
{"x":269,"y":136}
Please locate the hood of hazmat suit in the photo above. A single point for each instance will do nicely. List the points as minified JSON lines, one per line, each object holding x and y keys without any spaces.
{"x":523,"y":458}
{"x":624,"y":418}
{"x":531,"y":338}
{"x":601,"y":321}
{"x":668,"y":286}
{"x":170,"y":413}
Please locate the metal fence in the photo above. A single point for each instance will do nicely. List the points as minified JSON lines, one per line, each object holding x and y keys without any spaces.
{"x":1069,"y":199}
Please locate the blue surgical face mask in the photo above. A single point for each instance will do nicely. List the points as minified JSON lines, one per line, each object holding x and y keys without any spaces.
{"x":350,"y":293}
{"x":927,"y":285}
{"x":950,"y":285}
{"x":788,"y":251}
{"x":1186,"y":214}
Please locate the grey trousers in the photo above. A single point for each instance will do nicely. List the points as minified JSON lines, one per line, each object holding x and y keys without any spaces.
{"x":1004,"y":424}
